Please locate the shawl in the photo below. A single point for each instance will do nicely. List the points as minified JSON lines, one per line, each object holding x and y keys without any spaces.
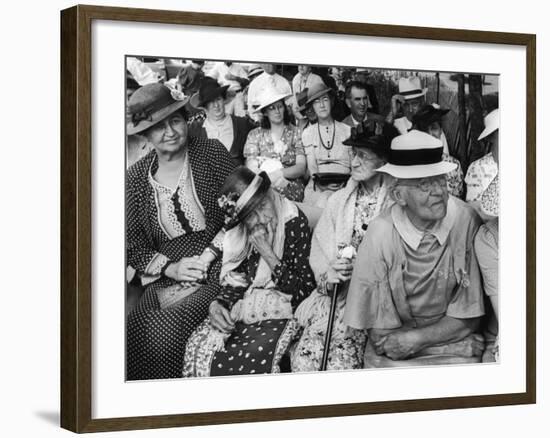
{"x":335,"y":226}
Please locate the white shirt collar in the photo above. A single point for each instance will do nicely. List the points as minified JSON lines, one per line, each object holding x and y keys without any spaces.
{"x":413,"y":236}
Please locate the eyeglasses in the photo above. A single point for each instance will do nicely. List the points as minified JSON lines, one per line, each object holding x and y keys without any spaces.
{"x":428,"y":184}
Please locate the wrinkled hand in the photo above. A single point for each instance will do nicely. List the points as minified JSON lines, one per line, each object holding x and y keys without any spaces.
{"x":188,"y":269}
{"x":220,"y":318}
{"x":339,"y":271}
{"x":397,"y":345}
{"x":261,"y":238}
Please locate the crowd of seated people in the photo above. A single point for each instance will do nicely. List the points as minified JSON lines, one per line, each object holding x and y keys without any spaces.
{"x":254,"y":202}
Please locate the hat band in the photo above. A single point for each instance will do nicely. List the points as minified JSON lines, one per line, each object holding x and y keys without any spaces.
{"x":147,"y":112}
{"x":410,"y":92}
{"x":416,"y":157}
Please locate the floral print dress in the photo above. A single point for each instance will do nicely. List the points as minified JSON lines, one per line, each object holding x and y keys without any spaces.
{"x":347,"y":344}
{"x":261,"y":146}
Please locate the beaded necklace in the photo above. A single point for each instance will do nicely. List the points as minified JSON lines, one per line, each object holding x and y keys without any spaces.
{"x":330,"y":143}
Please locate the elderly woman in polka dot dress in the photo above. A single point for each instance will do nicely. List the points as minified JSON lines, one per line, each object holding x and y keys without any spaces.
{"x":174,"y":231}
{"x":265,"y":275}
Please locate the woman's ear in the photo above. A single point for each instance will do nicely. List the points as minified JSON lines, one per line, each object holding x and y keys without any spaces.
{"x":398,"y":195}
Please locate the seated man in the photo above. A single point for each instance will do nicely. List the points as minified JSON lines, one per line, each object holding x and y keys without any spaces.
{"x":416,"y":285}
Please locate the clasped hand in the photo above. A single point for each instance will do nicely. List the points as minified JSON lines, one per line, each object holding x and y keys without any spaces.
{"x":188,"y":269}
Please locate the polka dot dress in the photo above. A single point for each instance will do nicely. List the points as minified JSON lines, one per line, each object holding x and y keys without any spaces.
{"x":156,"y":337}
{"x":259,"y":347}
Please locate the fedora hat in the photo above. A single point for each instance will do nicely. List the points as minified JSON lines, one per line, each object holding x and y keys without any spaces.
{"x":150,"y":104}
{"x":491,"y":122}
{"x":428,"y":114}
{"x":269,"y":96}
{"x":316,"y":91}
{"x":416,"y":155}
{"x":209,"y":90}
{"x":410,"y":88}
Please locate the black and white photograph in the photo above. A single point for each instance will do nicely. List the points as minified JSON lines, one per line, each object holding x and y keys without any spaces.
{"x":285,"y":218}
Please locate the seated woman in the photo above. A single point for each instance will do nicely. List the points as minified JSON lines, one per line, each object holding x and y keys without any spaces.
{"x":429,"y":119}
{"x":276,"y":147}
{"x":342,"y":225}
{"x":174,"y":231}
{"x":486,"y":248}
{"x":265,"y":275}
{"x":482,"y":172}
{"x":328,"y":159}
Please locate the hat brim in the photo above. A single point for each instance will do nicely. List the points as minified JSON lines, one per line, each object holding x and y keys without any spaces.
{"x":195,"y":100}
{"x":414,"y":96}
{"x":418,"y":171}
{"x":272,"y":101}
{"x":318,"y":95}
{"x":255,"y":72}
{"x":156,"y":117}
{"x":487,"y":131}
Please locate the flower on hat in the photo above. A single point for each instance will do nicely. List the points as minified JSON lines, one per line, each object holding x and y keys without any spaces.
{"x":228,"y":203}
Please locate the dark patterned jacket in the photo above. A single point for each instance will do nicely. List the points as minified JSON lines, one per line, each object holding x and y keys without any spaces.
{"x":210,"y":164}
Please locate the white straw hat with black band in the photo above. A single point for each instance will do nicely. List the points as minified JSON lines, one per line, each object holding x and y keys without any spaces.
{"x":410,"y":88}
{"x":270,"y":96}
{"x":416,"y":155}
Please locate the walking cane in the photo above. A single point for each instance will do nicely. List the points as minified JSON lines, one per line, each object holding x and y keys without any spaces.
{"x":330,"y":323}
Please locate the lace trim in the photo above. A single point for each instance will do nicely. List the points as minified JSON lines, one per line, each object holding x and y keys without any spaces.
{"x":156,"y":264}
{"x":188,"y":200}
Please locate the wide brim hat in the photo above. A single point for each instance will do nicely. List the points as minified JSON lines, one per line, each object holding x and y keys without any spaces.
{"x":428,"y":114}
{"x":237,"y":210}
{"x":301,"y":99}
{"x":416,"y":155}
{"x":270,"y":96}
{"x":209,"y":90}
{"x":316,"y":91}
{"x":151,"y":104}
{"x":410,"y":88}
{"x":492,"y":123}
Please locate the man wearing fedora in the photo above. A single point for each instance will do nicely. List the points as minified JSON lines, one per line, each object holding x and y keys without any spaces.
{"x":230,"y":130}
{"x":416,"y":286}
{"x":406,"y":103}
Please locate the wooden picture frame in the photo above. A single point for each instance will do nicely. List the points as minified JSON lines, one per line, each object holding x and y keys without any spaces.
{"x":76,"y":217}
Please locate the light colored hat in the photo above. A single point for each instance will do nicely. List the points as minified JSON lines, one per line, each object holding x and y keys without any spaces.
{"x":410,"y":88}
{"x":491,"y":122}
{"x":254,"y":69}
{"x":269,"y":96}
{"x":416,"y":155}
